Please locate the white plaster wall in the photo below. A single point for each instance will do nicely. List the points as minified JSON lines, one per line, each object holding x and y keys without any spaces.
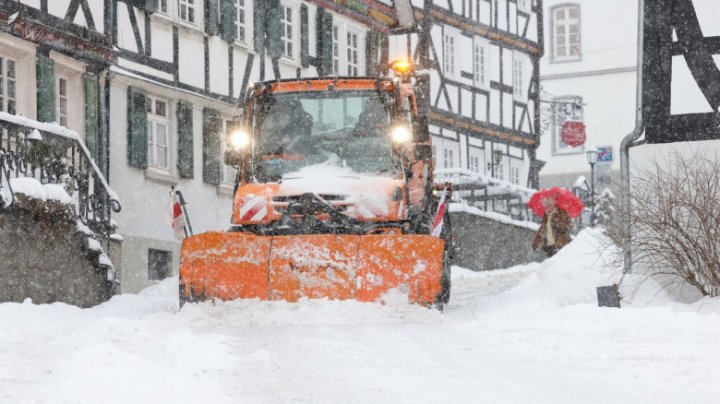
{"x":191,"y":53}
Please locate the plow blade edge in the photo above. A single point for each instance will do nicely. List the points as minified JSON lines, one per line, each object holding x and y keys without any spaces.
{"x":227,"y":266}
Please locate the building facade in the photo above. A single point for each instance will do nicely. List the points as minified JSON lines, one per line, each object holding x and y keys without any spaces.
{"x":483,"y":58}
{"x":588,"y":73}
{"x":153,"y":85}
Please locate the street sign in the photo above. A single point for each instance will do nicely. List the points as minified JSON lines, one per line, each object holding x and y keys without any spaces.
{"x":573,"y":133}
{"x":681,"y":80}
{"x":605,"y":154}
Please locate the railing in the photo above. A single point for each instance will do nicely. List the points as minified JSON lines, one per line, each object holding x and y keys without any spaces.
{"x":52,"y":154}
{"x":488,"y":194}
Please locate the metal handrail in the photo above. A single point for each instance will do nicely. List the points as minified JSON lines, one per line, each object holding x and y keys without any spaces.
{"x":53,"y":154}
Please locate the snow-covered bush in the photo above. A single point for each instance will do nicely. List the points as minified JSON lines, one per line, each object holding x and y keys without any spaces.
{"x":676,"y":220}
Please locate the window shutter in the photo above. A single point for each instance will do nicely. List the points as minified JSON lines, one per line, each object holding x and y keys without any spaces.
{"x":259,"y":19}
{"x":90,"y":82}
{"x":211,"y":17}
{"x":185,"y":139}
{"x":371,"y":53}
{"x":137,"y":147}
{"x":304,"y":37}
{"x":324,"y":45}
{"x":274,"y":28}
{"x":151,"y":6}
{"x":45,"y":89}
{"x":211,"y":146}
{"x":228,"y":21}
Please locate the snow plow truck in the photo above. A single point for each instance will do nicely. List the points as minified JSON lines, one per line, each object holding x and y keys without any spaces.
{"x":334,"y":197}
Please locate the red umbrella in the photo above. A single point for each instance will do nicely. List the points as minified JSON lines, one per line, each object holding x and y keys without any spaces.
{"x":564,"y":199}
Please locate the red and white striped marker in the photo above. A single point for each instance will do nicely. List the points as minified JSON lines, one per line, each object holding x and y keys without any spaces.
{"x":440,"y":215}
{"x":254,"y":209}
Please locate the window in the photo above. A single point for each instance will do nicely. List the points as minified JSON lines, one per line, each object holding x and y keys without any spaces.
{"x":480,"y":63}
{"x":474,"y":164}
{"x":566,"y":33}
{"x":352,"y":53}
{"x":8,"y":77}
{"x":515,"y":175}
{"x":336,"y":49}
{"x":434,"y":155}
{"x":499,"y":172}
{"x":163,"y":6}
{"x":518,"y":82}
{"x":158,"y":153}
{"x":241,"y":19}
{"x":449,"y":158}
{"x":449,"y":55}
{"x":159,"y":262}
{"x":187,"y":10}
{"x":62,"y":101}
{"x":287,"y":35}
{"x":523,"y":5}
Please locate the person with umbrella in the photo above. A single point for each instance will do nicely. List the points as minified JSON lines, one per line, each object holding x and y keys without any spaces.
{"x":556,"y":206}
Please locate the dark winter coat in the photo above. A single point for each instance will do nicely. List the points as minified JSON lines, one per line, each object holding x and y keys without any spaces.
{"x":561,"y":227}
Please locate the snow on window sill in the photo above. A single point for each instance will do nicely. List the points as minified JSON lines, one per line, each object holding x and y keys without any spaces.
{"x":566,"y":59}
{"x":162,"y":176}
{"x":225,"y":189}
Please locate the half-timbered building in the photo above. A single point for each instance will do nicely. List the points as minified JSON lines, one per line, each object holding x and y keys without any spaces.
{"x":152,"y":86}
{"x":483,"y":58}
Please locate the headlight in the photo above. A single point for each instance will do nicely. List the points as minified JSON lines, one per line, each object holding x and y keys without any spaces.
{"x":401,"y":134}
{"x":239,"y":140}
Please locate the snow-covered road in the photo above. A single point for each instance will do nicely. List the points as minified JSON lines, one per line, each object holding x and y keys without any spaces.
{"x":526,"y":335}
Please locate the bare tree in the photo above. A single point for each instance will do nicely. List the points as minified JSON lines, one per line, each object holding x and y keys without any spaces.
{"x":676,"y":220}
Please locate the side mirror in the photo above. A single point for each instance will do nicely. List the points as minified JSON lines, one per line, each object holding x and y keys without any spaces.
{"x":421,"y":132}
{"x":233,"y":158}
{"x":423,"y":152}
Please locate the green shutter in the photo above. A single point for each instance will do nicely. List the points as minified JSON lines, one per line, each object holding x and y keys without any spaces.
{"x":151,"y":6}
{"x":371,"y":54}
{"x":90,"y":82}
{"x":324,"y":42}
{"x":211,"y":17}
{"x":259,"y":19}
{"x":45,"y":89}
{"x":304,"y":37}
{"x":273,"y":28}
{"x":211,"y":146}
{"x":185,"y":139}
{"x":228,"y":20}
{"x":137,"y":147}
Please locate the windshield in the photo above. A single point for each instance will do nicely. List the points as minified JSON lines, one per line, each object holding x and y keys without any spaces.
{"x":347,"y":128}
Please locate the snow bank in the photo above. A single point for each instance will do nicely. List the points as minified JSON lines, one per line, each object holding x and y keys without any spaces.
{"x":572,"y":275}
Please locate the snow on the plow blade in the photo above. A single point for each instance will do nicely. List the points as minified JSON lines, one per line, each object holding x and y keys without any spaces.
{"x":231,"y":266}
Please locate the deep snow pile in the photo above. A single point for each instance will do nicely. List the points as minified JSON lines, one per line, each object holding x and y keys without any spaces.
{"x":528,"y":334}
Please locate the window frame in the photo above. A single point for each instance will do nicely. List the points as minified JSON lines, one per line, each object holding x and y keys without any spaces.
{"x":5,"y":98}
{"x":294,"y":30}
{"x":336,"y":49}
{"x":518,"y":78}
{"x":481,"y":78}
{"x":195,"y":6}
{"x":59,"y":98}
{"x":247,"y":25}
{"x":166,"y":11}
{"x":555,"y":58}
{"x":153,"y":119}
{"x":349,"y":49}
{"x":449,"y":58}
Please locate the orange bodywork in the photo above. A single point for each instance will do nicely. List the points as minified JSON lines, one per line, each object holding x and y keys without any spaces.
{"x":228,"y":266}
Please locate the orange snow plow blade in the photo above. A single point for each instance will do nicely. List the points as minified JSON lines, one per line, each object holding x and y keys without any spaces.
{"x":227,"y":266}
